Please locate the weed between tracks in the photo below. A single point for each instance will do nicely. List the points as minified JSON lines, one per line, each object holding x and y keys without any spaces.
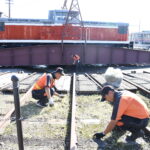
{"x":93,"y":116}
{"x":43,"y":128}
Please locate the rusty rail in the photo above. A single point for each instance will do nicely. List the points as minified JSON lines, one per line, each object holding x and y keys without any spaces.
{"x":138,"y":86}
{"x":73,"y":137}
{"x":141,"y":78}
{"x":93,"y":80}
{"x":146,"y":72}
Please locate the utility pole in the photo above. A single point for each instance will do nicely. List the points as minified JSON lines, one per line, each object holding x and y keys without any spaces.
{"x":9,"y":2}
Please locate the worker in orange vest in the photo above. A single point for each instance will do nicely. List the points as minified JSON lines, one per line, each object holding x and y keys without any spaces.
{"x":76,"y":61}
{"x":129,"y":113}
{"x":44,"y":89}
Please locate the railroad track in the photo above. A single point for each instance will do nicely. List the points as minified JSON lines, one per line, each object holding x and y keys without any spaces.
{"x":62,"y":126}
{"x":140,"y":80}
{"x":92,"y":83}
{"x":70,"y":143}
{"x":131,"y":82}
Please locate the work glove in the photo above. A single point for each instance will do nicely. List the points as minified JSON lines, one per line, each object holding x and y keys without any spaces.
{"x":61,"y":96}
{"x":98,"y":135}
{"x":51,"y":102}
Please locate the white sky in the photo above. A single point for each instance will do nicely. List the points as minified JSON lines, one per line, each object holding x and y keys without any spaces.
{"x":134,"y":12}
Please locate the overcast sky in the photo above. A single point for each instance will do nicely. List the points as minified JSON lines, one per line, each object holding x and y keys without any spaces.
{"x":134,"y":12}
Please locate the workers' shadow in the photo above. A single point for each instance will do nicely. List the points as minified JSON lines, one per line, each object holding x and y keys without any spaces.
{"x":111,"y":142}
{"x":27,"y":111}
{"x":30,"y":109}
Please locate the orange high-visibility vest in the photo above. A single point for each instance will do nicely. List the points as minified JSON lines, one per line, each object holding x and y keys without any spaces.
{"x":41,"y":82}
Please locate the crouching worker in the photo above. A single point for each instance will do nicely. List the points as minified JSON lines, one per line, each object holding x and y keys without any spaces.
{"x":44,"y":89}
{"x":129,"y":113}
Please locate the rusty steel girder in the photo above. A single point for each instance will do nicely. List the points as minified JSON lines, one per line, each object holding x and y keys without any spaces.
{"x":52,"y":55}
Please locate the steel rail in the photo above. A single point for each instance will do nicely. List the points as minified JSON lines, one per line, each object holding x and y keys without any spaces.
{"x":93,"y":80}
{"x":73,"y":137}
{"x":141,"y":78}
{"x":146,"y":72}
{"x":138,"y":86}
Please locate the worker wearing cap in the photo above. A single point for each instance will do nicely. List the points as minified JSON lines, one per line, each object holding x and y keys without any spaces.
{"x":129,"y":113}
{"x":44,"y":89}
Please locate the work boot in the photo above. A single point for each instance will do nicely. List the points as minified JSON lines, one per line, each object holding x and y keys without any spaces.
{"x":134,"y":136}
{"x":40,"y":104}
{"x":146,"y":131}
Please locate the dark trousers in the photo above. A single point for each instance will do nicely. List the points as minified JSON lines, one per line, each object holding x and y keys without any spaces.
{"x":39,"y":95}
{"x":77,"y":66}
{"x":133,"y":124}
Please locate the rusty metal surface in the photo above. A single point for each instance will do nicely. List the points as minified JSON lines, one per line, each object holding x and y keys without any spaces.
{"x":52,"y":55}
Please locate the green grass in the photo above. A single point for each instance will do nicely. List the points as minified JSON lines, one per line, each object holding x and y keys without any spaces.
{"x":89,"y":107}
{"x":51,"y":123}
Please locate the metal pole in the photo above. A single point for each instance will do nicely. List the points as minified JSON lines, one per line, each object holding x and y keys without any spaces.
{"x":17,"y":111}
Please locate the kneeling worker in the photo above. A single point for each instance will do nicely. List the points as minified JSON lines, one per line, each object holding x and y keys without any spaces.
{"x":44,"y":89}
{"x":129,"y":113}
